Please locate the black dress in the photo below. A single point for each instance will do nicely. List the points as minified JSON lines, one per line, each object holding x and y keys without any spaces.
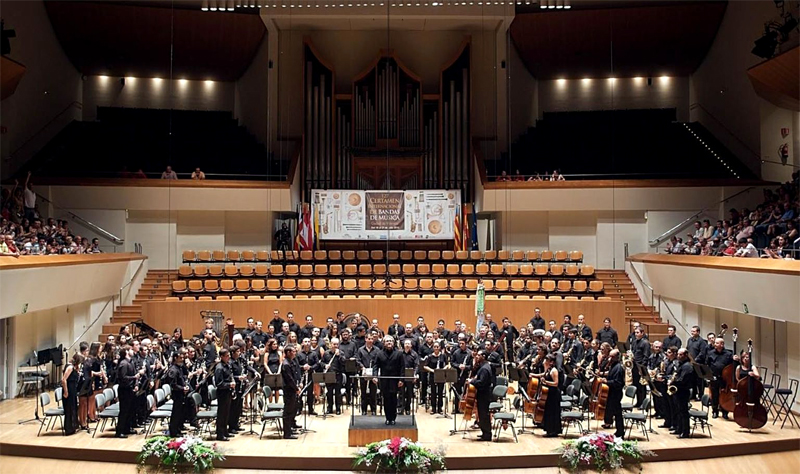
{"x":71,"y":403}
{"x":552,"y":407}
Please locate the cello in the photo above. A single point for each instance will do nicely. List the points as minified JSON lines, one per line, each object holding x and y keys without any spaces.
{"x":727,"y":392}
{"x":749,"y":412}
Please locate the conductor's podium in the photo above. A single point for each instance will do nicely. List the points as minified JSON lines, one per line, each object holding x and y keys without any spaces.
{"x":368,"y":429}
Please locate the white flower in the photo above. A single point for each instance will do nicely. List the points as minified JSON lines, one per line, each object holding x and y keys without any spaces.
{"x":384,"y":450}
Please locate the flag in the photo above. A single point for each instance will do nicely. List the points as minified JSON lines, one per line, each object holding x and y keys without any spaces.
{"x":474,"y":233}
{"x":458,"y":245}
{"x":480,"y":312}
{"x":316,"y":229}
{"x":299,"y":227}
{"x":305,"y":233}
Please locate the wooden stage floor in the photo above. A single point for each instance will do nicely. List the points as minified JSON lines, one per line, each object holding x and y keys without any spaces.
{"x":327,"y":449}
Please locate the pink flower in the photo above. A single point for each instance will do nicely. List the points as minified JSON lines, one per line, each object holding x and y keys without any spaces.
{"x":394,"y":445}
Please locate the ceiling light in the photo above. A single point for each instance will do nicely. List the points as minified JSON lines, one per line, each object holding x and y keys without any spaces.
{"x":103,"y":78}
{"x":612,"y":80}
{"x":561,"y":82}
{"x":586,"y":80}
{"x":157,"y":80}
{"x":183,"y":82}
{"x":213,"y":6}
{"x":567,"y":5}
{"x":204,"y":6}
{"x":230,"y":5}
{"x":559,"y":4}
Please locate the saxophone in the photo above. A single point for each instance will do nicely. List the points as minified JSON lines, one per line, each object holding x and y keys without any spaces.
{"x":672,"y":389}
{"x":627,"y":362}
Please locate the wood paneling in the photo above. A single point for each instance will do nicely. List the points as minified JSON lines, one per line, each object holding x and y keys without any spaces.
{"x":757,"y":265}
{"x":38,"y":261}
{"x":362,"y":437}
{"x":11,"y":73}
{"x":166,"y":315}
{"x":624,"y":183}
{"x":163,"y":183}
{"x":777,"y":79}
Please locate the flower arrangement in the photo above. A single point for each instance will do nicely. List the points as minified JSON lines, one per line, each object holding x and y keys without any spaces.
{"x":601,"y":452}
{"x":399,"y":454}
{"x":180,"y":452}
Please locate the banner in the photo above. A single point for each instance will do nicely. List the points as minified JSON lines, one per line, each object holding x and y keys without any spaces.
{"x":385,"y":215}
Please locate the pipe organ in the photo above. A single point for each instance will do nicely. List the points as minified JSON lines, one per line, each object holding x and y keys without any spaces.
{"x":386,"y":132}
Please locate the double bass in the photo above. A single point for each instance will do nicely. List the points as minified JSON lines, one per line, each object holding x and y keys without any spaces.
{"x":749,"y":412}
{"x":727,"y":392}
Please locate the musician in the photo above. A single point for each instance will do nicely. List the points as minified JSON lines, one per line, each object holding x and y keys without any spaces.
{"x":616,"y":383}
{"x":584,"y":331}
{"x":223,"y":380}
{"x":482,"y":335}
{"x":566,"y":325}
{"x":718,"y":359}
{"x":425,"y":350}
{"x":421,"y":329}
{"x":375,"y":328}
{"x":632,"y":335}
{"x":366,"y":362}
{"x":696,"y":347}
{"x":555,"y":349}
{"x":143,"y":386}
{"x":493,"y":353}
{"x":552,"y":408}
{"x":377,"y":337}
{"x":283,"y":335}
{"x":668,"y":402}
{"x":277,"y":321}
{"x":574,"y":347}
{"x":259,"y":336}
{"x":293,"y":326}
{"x":176,"y":378}
{"x":672,"y":339}
{"x":483,"y":382}
{"x":239,"y":377}
{"x":608,"y":334}
{"x":436,"y":360}
{"x":209,"y":348}
{"x":640,"y":347}
{"x":308,"y":359}
{"x":536,"y":320}
{"x":273,"y":359}
{"x":461,"y":359}
{"x":408,"y":335}
{"x":745,"y":368}
{"x":307,"y":330}
{"x":360,"y":338}
{"x":348,"y":350}
{"x":340,"y":322}
{"x":684,"y":381}
{"x":453,"y":335}
{"x":209,"y":324}
{"x":654,"y":366}
{"x":332,"y":360}
{"x":491,"y":324}
{"x":176,"y":343}
{"x":555,"y":332}
{"x":410,"y":361}
{"x":444,"y":333}
{"x":589,"y":352}
{"x":127,"y":377}
{"x":395,"y":329}
{"x":390,"y":363}
{"x":251,"y":327}
{"x":509,"y":334}
{"x":291,"y":391}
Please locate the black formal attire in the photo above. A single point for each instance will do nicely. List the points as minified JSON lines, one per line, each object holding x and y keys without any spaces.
{"x":444,"y":333}
{"x":616,"y":383}
{"x":237,"y":403}
{"x":697,"y":349}
{"x":410,"y":361}
{"x":259,"y":338}
{"x":437,"y":389}
{"x":608,"y":335}
{"x":390,"y":364}
{"x":552,"y":406}
{"x":685,"y":380}
{"x":511,"y":335}
{"x":295,"y":328}
{"x":584,"y":331}
{"x":141,"y":409}
{"x":484,"y":384}
{"x":310,"y":358}
{"x":174,"y":346}
{"x":126,"y":377}
{"x":290,"y":396}
{"x":223,"y":376}
{"x":277,"y":323}
{"x":369,"y":394}
{"x":176,"y":379}
{"x":333,"y":391}
{"x":538,"y":323}
{"x":349,"y":350}
{"x":209,"y":354}
{"x":654,"y":364}
{"x":670,"y":407}
{"x":71,"y":403}
{"x":424,"y":352}
{"x":414,"y":341}
{"x":557,"y":334}
{"x":641,"y":352}
{"x":456,"y":359}
{"x":396,"y":330}
{"x":717,"y":361}
{"x":306,"y":332}
{"x":670,"y":341}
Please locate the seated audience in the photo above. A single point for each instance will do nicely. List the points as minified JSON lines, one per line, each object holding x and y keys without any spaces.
{"x":197,"y":174}
{"x":169,"y":174}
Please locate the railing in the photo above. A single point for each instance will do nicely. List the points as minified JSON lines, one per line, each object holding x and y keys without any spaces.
{"x":102,"y":232}
{"x":641,"y":280}
{"x":133,"y":277}
{"x":72,"y":104}
{"x":698,"y":105}
{"x":666,"y":235}
{"x":110,"y":300}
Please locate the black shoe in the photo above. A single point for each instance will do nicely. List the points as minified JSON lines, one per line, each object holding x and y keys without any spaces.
{"x":121,"y":435}
{"x":329,"y":412}
{"x":551,"y":435}
{"x":223,"y":438}
{"x":621,"y":436}
{"x":483,"y":438}
{"x":132,"y":432}
{"x":231,"y":435}
{"x":338,"y":412}
{"x":392,"y":422}
{"x":374,"y":414}
{"x":715,"y":415}
{"x":387,"y":422}
{"x":312,"y":413}
{"x":664,"y":426}
{"x":684,"y":436}
{"x":725,"y":415}
{"x":290,"y":437}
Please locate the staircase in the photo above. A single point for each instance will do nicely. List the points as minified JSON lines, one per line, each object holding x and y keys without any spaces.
{"x":157,"y":286}
{"x":618,"y":286}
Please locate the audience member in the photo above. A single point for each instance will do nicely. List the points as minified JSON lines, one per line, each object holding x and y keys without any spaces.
{"x":197,"y":174}
{"x":169,"y":174}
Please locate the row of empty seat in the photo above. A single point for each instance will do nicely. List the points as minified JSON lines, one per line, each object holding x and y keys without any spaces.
{"x":382,"y":285}
{"x":277,"y":270}
{"x":364,"y":296}
{"x":206,"y":256}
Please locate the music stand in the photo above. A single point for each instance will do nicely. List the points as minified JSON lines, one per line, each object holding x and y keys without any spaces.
{"x":350,"y":369}
{"x":447,"y":376}
{"x":458,"y":398}
{"x":644,"y":375}
{"x":35,"y":378}
{"x":525,"y":399}
{"x":704,"y":372}
{"x":305,"y":429}
{"x":622,"y":346}
{"x":253,"y":383}
{"x":327,"y":379}
{"x":410,"y":375}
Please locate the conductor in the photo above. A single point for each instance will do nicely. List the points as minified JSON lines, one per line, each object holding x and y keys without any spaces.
{"x":389,"y":363}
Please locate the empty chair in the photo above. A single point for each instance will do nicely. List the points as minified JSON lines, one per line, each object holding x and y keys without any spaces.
{"x":215,"y":271}
{"x":189,"y":256}
{"x":420,"y":255}
{"x":512,"y":269}
{"x":502,"y":285}
{"x":200,"y":271}
{"x":540,"y":269}
{"x":517,"y":285}
{"x":448,"y":255}
{"x":242,"y":285}
{"x":503,"y":255}
{"x":227,"y":286}
{"x":532,"y":255}
{"x":475,"y":255}
{"x":440,"y":285}
{"x":423,"y":269}
{"x":261,"y":270}
{"x":288,"y":284}
{"x":532,"y":286}
{"x":258,"y":285}
{"x":304,"y":284}
{"x":364,"y":269}
{"x":320,"y":255}
{"x":376,"y":255}
{"x":334,"y":255}
{"x":471,"y":284}
{"x":306,"y":255}
{"x":291,"y":255}
{"x":526,"y":269}
{"x":364,"y":284}
{"x":362,"y":255}
{"x":560,"y":256}
{"x":334,"y":284}
{"x":434,"y":255}
{"x":306,"y":270}
{"x":396,"y":284}
{"x":196,"y":286}
{"x":452,"y":269}
{"x":273,"y":285}
{"x":571,"y":271}
{"x":456,"y":284}
{"x":233,"y":255}
{"x":205,"y":298}
{"x":410,"y":284}
{"x":517,"y":255}
{"x":185,"y":271}
{"x":426,"y":284}
{"x":556,"y":270}
{"x":248,"y":256}
{"x":292,"y":270}
{"x":319,"y":284}
{"x":564,"y":286}
{"x":488,"y":285}
{"x":335,"y":270}
{"x":231,"y":271}
{"x":467,"y":269}
{"x":437,"y":269}
{"x":392,"y":255}
{"x":596,"y":286}
{"x":350,"y":284}
{"x":586,"y":271}
{"x":490,"y":255}
{"x":211,"y":286}
{"x":223,"y":298}
{"x":262,"y":256}
{"x":276,"y":270}
{"x":496,"y":269}
{"x":462,"y":255}
{"x":172,"y":298}
{"x":379,"y":269}
{"x":348,"y":255}
{"x":546,"y":256}
{"x":576,"y":256}
{"x":179,"y":286}
{"x":395,"y":269}
{"x":351,"y":270}
{"x":320,"y":269}
{"x":204,"y":256}
{"x":482,"y":269}
{"x":246,"y":271}
{"x":579,"y":286}
{"x":218,"y":255}
{"x":548,"y":286}
{"x":379,"y":284}
{"x":409,"y":269}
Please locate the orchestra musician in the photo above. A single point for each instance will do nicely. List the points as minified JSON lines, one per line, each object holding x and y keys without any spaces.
{"x":273,"y":359}
{"x":696,"y":346}
{"x":308,"y":359}
{"x":717,"y":360}
{"x":668,"y":402}
{"x":435,"y":361}
{"x":259,"y":336}
{"x":293,"y":326}
{"x":671,"y":339}
{"x":332,"y":361}
{"x":390,"y":363}
{"x":608,"y":334}
{"x":511,"y":335}
{"x":395,"y":329}
{"x":127,"y":377}
{"x":410,"y":361}
{"x":348,"y":351}
{"x":536,"y":320}
{"x":566,"y":325}
{"x":584,"y":331}
{"x":640,"y":347}
{"x":277,"y":321}
{"x":408,"y":335}
{"x":291,"y":391}
{"x":745,"y":368}
{"x":655,"y":364}
{"x":366,"y":362}
{"x":684,"y":381}
{"x":616,"y":382}
{"x":176,"y":379}
{"x":176,"y":343}
{"x":223,"y":380}
{"x":209,"y":348}
{"x":425,"y":350}
{"x":483,"y":382}
{"x":461,"y":359}
{"x":552,"y":408}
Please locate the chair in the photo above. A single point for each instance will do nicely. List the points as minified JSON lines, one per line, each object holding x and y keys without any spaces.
{"x":155,"y":415}
{"x":276,"y":255}
{"x":564,"y":286}
{"x":335,"y":255}
{"x":556,"y":270}
{"x":320,"y":255}
{"x":204,"y":417}
{"x":440,"y":285}
{"x":273,"y":413}
{"x":379,"y":284}
{"x":228,"y":286}
{"x":462,"y":255}
{"x":786,"y":397}
{"x":437,"y":269}
{"x":223,"y":298}
{"x":258,"y":285}
{"x":426,"y":284}
{"x":579,"y":286}
{"x":501,"y":285}
{"x":392,"y":255}
{"x":546,"y":256}
{"x":273,"y":285}
{"x":376,"y":255}
{"x":320,"y":269}
{"x":319,"y":284}
{"x":189,"y":256}
{"x":261,"y":270}
{"x":196,"y":286}
{"x":289,"y":284}
{"x":211,"y":286}
{"x":532,"y":286}
{"x":306,"y":270}
{"x":490,"y":255}
{"x":560,"y":256}
{"x":700,"y":417}
{"x":292,"y":270}
{"x":204,"y":256}
{"x":179,"y":286}
{"x":475,"y":255}
{"x":215,"y":271}
{"x":448,"y":255}
{"x":379,"y":269}
{"x":362,"y":255}
{"x":420,"y":255}
{"x":467,"y":269}
{"x":496,"y":269}
{"x":456,"y":284}
{"x":185,"y":271}
{"x":768,"y":396}
{"x":348,"y":255}
{"x":596,"y":286}
{"x":410,"y":284}
{"x":200,"y":271}
{"x":532,"y":256}
{"x":304,"y":284}
{"x":246,"y":271}
{"x":335,"y":285}
{"x":548,"y":286}
{"x":488,"y":285}
{"x":364,"y":269}
{"x":503,"y":255}
{"x":233,"y":255}
{"x":482,"y":269}
{"x":540,"y":269}
{"x":517,"y":286}
{"x":396,"y":284}
{"x":505,"y":419}
{"x":526,"y":270}
{"x":364,"y":284}
{"x":576,"y":256}
{"x":350,"y":270}
{"x":50,"y":415}
{"x":306,"y":255}
{"x":573,"y":417}
{"x":452,"y":269}
{"x":434,"y":255}
{"x":587,"y":271}
{"x":638,"y":419}
{"x":409,"y":269}
{"x":572,"y":271}
{"x":350,"y":284}
{"x":248,"y":256}
{"x":512,"y":269}
{"x":335,"y":270}
{"x":276,"y":270}
{"x":630,"y":393}
{"x":218,"y":255}
{"x":262,"y":256}
{"x":471,"y":285}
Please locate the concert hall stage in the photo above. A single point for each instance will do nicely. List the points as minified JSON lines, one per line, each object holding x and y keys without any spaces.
{"x":327,"y":449}
{"x":368,"y":429}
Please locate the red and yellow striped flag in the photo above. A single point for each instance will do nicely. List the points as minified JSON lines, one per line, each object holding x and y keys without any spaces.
{"x":458,"y":244}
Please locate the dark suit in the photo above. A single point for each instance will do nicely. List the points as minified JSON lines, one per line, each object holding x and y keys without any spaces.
{"x":126,"y":377}
{"x":389,"y":364}
{"x":290,"y":389}
{"x":484,"y":384}
{"x":222,"y":380}
{"x":177,"y":381}
{"x":616,"y":383}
